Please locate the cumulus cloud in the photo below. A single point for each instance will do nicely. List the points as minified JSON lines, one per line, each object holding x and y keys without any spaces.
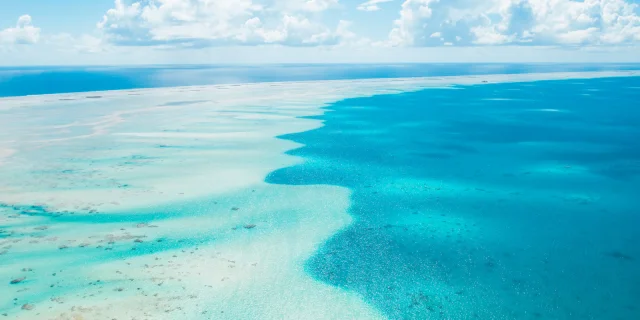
{"x":371,"y":5}
{"x":517,"y":22}
{"x":199,"y":23}
{"x":305,"y":5}
{"x":23,"y":33}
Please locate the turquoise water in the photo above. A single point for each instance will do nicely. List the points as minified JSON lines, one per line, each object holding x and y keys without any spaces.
{"x":499,"y":201}
{"x":493,"y":201}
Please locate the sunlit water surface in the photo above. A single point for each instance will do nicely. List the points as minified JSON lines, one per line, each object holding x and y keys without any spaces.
{"x":500,"y":201}
{"x":417,"y":199}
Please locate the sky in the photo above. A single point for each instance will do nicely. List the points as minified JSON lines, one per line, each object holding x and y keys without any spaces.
{"x":123,"y":32}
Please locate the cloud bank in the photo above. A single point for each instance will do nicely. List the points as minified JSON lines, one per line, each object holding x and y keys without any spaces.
{"x":200,"y":23}
{"x":516,"y":22}
{"x":598,"y":29}
{"x":23,"y":33}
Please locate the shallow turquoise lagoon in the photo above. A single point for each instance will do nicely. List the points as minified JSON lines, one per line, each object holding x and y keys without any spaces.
{"x":499,"y":201}
{"x":417,"y":200}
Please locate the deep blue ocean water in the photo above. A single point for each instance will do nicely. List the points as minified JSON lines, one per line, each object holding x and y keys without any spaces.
{"x":19,"y":81}
{"x":498,"y":201}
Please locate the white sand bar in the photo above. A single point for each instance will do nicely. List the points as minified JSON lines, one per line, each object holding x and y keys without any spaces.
{"x":151,"y":204}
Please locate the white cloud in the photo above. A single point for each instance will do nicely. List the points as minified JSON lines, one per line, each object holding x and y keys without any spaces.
{"x":292,"y":30}
{"x":23,"y":33}
{"x":305,"y":5}
{"x":371,"y":5}
{"x":349,"y":39}
{"x":517,"y":22}
{"x":200,"y":23}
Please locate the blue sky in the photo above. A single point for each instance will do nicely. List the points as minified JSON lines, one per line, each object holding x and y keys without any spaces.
{"x":66,"y":32}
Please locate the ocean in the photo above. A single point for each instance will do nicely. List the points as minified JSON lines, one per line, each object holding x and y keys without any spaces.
{"x":476,"y":192}
{"x":501,"y":201}
{"x":20,"y":81}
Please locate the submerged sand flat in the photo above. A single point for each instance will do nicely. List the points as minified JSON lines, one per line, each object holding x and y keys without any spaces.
{"x":151,"y":204}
